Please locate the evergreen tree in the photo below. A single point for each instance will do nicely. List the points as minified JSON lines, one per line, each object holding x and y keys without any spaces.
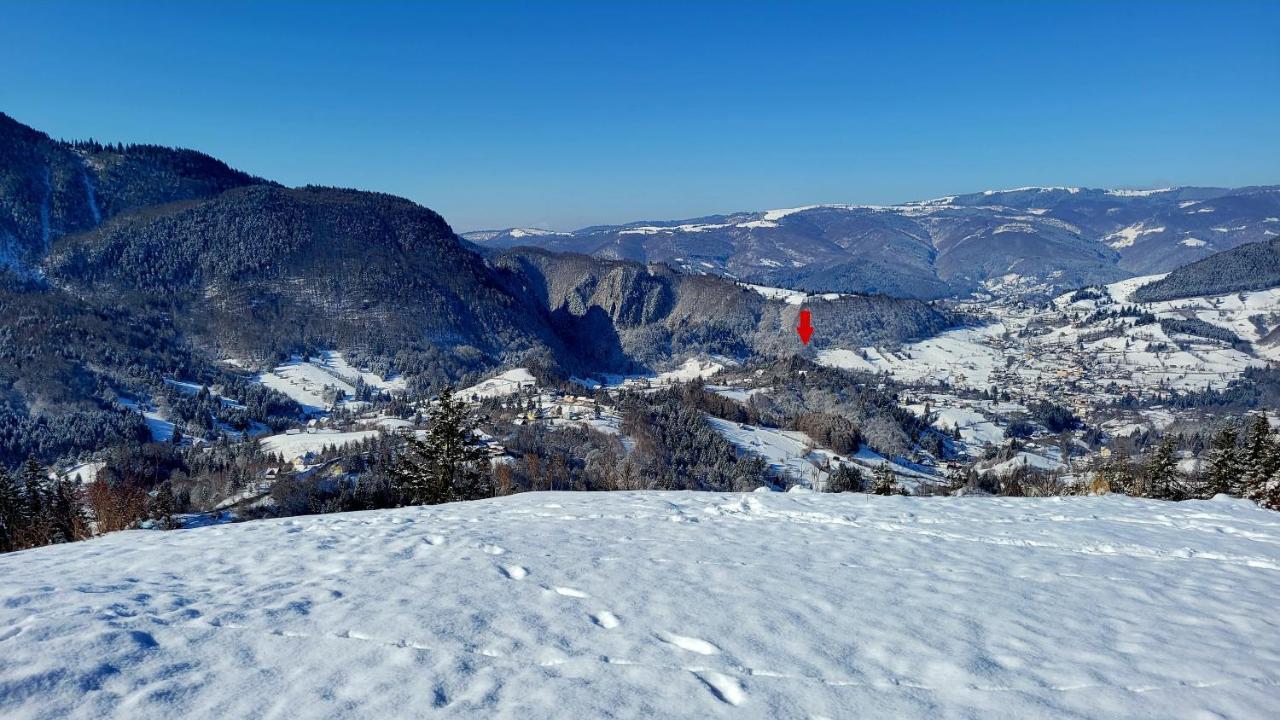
{"x":163,"y":506}
{"x":449,"y":465}
{"x":1267,"y":494}
{"x":1225,"y":473}
{"x":846,"y":478}
{"x":36,"y":495}
{"x":884,"y":480}
{"x":1260,"y":455}
{"x":67,"y":515}
{"x":1162,"y":471}
{"x":11,"y":512}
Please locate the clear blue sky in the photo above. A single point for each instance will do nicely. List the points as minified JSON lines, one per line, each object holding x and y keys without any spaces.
{"x":561,"y":115}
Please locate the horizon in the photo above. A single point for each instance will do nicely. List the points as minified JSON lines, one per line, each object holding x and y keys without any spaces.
{"x":570,"y":115}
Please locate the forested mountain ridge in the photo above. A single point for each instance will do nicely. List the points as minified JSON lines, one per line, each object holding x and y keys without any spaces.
{"x":260,"y":271}
{"x":1255,"y":266}
{"x":51,"y":188}
{"x":625,"y":313}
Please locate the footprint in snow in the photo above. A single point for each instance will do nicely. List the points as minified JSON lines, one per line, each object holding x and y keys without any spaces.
{"x":725,"y":688}
{"x":493,"y":549}
{"x":571,"y":592}
{"x":605,"y":619}
{"x":434,"y":540}
{"x":515,"y":572}
{"x":692,"y":644}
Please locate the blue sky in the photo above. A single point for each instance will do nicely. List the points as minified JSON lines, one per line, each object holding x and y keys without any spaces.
{"x":561,"y":115}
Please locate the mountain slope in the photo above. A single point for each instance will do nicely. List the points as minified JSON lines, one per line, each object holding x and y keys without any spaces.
{"x":625,"y":315}
{"x":1255,"y":266}
{"x":1065,"y":237}
{"x":50,"y":188}
{"x":673,"y":605}
{"x":262,"y":270}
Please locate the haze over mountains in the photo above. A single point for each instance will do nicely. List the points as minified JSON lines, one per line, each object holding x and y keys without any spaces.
{"x":1062,"y":237}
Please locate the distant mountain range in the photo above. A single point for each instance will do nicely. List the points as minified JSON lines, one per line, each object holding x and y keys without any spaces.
{"x":1062,"y":237}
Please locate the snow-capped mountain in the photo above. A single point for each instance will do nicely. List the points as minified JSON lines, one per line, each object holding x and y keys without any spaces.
{"x":1065,"y":236}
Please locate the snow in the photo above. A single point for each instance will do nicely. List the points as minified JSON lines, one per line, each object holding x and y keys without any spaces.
{"x":1193,"y":242}
{"x":693,"y":368}
{"x":503,"y":384}
{"x":83,"y":472}
{"x":960,"y":356}
{"x":295,"y":445}
{"x":533,"y":232}
{"x":796,"y":455}
{"x":1126,"y":237}
{"x":307,"y":381}
{"x":656,"y":229}
{"x":1122,"y":292}
{"x":790,"y":297}
{"x":672,"y":605}
{"x":1036,"y":188}
{"x":1138,"y":193}
{"x":161,"y":429}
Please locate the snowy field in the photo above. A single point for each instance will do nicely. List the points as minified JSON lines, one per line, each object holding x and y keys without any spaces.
{"x":503,"y":384}
{"x":667,"y":605}
{"x":307,"y":382}
{"x":297,"y":444}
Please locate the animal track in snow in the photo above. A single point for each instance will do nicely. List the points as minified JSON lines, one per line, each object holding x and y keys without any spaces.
{"x":515,"y":572}
{"x":605,"y":619}
{"x":692,"y":644}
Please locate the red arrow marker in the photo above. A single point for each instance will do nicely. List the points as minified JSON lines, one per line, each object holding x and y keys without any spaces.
{"x":805,"y":328}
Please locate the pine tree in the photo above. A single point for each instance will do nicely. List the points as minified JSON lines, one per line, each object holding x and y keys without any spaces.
{"x":884,"y":480}
{"x":67,"y":515}
{"x":846,"y":478}
{"x":449,"y":465}
{"x":1162,"y":471}
{"x":1225,"y":473}
{"x":11,"y":512}
{"x":163,"y":506}
{"x":1260,"y":455}
{"x":36,"y":512}
{"x":1267,"y":494}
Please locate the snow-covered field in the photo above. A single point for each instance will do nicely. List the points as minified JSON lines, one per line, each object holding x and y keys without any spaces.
{"x":802,"y":460}
{"x":292,"y":445}
{"x":672,"y":605}
{"x":503,"y":384}
{"x":306,"y":382}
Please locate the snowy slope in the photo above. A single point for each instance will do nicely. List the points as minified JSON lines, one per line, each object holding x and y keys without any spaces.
{"x":675,"y":605}
{"x":307,"y":381}
{"x":292,"y":444}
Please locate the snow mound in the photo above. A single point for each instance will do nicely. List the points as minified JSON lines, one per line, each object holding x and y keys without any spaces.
{"x":673,"y":605}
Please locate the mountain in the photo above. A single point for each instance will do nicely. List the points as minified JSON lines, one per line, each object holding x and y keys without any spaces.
{"x":1255,"y":266}
{"x":626,"y":316}
{"x":51,"y":188}
{"x":259,"y":271}
{"x":129,"y":269}
{"x":1065,"y":237}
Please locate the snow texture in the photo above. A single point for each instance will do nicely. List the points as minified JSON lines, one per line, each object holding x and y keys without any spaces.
{"x":672,"y":605}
